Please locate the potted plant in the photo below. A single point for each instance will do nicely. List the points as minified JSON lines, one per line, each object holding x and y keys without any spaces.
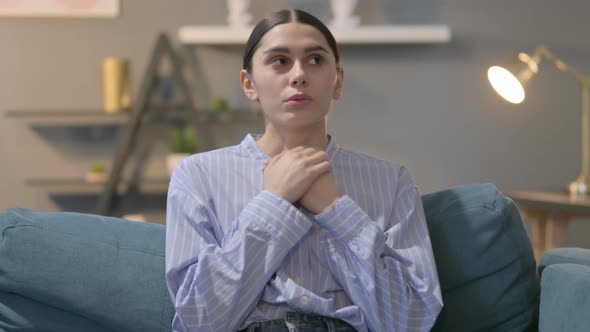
{"x":219,"y":104}
{"x":97,"y":173}
{"x":183,"y":142}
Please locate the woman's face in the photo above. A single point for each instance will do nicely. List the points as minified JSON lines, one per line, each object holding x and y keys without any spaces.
{"x":293,"y":76}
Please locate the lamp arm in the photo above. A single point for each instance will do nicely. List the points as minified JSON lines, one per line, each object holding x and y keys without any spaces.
{"x":544,"y":52}
{"x":582,"y":183}
{"x":585,"y":174}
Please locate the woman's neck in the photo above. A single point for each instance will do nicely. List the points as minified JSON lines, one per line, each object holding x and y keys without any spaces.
{"x":275,"y":141}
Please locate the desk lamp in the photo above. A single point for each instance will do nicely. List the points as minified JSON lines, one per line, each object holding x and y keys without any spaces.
{"x":510,"y":82}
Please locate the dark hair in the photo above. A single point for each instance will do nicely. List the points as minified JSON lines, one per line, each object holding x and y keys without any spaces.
{"x":281,"y":17}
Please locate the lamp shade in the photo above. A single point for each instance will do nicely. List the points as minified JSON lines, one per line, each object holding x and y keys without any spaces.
{"x":510,"y":80}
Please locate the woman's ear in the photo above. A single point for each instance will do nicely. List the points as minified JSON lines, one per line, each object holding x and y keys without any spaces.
{"x":339,"y":83}
{"x":248,"y":85}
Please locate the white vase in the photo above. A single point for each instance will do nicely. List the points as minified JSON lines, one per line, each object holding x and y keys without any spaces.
{"x":342,"y":11}
{"x":238,"y":16}
{"x":173,"y":159}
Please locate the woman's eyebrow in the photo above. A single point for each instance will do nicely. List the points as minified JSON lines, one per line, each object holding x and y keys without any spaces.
{"x":316,"y":48}
{"x":280,"y":49}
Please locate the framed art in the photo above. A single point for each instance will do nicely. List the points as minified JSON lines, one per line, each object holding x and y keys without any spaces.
{"x":59,"y":8}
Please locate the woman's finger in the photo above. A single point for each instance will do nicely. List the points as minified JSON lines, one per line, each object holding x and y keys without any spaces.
{"x":321,"y":168}
{"x":275,"y":158}
{"x":317,"y":157}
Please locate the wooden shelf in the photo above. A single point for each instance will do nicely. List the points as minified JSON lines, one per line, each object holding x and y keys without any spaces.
{"x":99,"y":117}
{"x":369,"y":34}
{"x":68,"y":117}
{"x":80,"y":186}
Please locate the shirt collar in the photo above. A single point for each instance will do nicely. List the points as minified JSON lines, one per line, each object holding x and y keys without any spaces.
{"x":249,"y":143}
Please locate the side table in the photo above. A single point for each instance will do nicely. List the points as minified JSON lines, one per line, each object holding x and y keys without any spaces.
{"x":549,"y":213}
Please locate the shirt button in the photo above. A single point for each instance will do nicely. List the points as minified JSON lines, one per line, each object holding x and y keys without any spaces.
{"x":304,"y":300}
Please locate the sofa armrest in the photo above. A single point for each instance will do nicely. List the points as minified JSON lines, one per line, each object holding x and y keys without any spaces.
{"x":565,"y":298}
{"x":564,"y":255}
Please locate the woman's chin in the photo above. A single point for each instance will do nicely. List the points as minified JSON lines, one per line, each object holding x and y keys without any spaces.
{"x":296,"y":121}
{"x":296,"y":118}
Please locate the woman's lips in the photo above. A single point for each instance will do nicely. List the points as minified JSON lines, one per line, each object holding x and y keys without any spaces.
{"x":298,"y":100}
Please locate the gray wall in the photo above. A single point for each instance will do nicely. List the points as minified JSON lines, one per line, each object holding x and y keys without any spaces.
{"x":428,"y":107}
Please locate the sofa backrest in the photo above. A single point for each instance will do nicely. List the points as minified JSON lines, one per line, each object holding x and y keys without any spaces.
{"x":80,"y":272}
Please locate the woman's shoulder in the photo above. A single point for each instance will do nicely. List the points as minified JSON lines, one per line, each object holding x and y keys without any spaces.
{"x":348,"y":156}
{"x":374,"y":170}
{"x":202,"y":162}
{"x":216,"y":155}
{"x":369,"y":165}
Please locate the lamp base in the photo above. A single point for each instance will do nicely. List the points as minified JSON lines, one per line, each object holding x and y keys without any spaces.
{"x":579,"y":187}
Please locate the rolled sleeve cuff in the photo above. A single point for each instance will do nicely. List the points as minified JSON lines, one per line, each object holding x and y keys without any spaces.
{"x":344,"y":219}
{"x":278,"y":217}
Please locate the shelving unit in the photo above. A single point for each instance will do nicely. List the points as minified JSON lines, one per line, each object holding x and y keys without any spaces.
{"x":363,"y":35}
{"x":174,"y":108}
{"x":77,"y":185}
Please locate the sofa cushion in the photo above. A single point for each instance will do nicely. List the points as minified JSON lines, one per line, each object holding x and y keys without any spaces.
{"x":484,"y":259}
{"x":105,"y":270}
{"x":18,"y":313}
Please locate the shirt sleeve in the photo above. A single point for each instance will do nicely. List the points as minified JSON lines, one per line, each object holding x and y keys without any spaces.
{"x":215,"y":283}
{"x":389,"y":274}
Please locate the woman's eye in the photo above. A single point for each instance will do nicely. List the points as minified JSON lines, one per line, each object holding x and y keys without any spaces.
{"x":316,"y":60}
{"x":278,"y":61}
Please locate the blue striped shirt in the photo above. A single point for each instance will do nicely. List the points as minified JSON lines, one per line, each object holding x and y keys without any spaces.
{"x":236,"y":253}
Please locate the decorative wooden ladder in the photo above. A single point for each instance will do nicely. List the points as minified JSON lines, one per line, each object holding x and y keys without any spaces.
{"x":141,"y":111}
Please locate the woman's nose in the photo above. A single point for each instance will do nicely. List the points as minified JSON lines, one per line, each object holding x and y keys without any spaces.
{"x":299,"y":77}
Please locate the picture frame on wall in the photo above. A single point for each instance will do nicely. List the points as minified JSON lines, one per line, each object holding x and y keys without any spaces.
{"x":60,"y":8}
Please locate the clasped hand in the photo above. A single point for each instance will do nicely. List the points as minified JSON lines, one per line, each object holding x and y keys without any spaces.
{"x":302,"y":174}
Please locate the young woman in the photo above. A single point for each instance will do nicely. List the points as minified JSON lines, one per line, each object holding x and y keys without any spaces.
{"x":288,"y":231}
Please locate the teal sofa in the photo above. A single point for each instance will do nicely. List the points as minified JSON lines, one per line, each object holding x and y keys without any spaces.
{"x":77,"y":272}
